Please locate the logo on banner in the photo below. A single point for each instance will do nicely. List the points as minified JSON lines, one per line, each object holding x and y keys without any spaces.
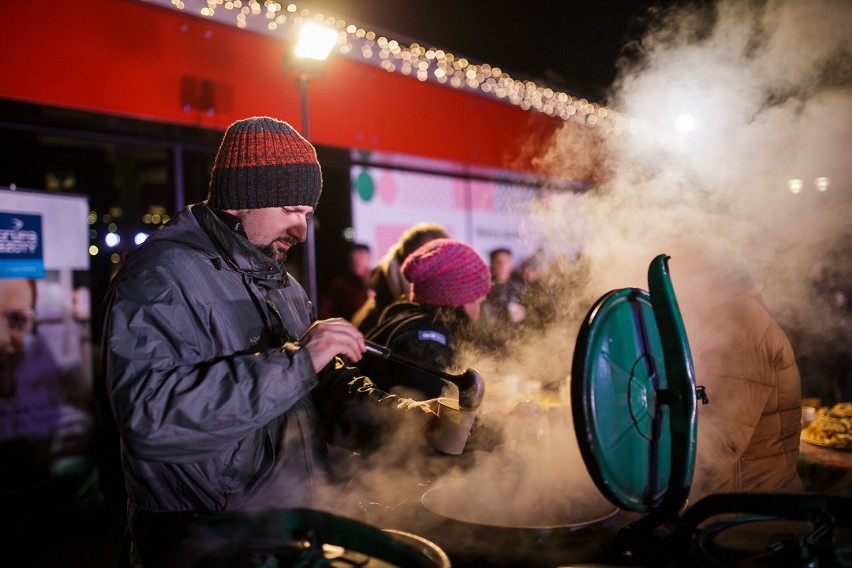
{"x":21,"y":254}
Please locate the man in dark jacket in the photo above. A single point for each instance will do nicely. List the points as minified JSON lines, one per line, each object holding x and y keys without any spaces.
{"x":224,"y":388}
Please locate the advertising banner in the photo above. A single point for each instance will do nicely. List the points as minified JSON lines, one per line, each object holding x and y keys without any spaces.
{"x":21,"y":253}
{"x":46,"y":415}
{"x":483,"y":213}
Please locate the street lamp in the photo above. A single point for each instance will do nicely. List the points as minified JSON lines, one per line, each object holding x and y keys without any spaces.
{"x":313,"y":47}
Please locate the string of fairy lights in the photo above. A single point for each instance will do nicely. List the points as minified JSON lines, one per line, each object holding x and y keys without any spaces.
{"x":421,"y":62}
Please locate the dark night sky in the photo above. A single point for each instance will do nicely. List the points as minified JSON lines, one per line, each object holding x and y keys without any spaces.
{"x":568,"y":44}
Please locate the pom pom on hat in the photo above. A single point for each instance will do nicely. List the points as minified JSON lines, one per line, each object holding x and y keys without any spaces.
{"x":446,"y":272}
{"x":264,"y":162}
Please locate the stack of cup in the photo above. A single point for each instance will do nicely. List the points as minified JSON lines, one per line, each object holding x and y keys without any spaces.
{"x":452,"y":428}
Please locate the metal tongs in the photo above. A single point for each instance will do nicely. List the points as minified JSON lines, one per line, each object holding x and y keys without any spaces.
{"x":470,"y":383}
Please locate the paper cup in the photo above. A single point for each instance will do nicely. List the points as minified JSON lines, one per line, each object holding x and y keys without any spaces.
{"x":452,"y":428}
{"x":808,"y":415}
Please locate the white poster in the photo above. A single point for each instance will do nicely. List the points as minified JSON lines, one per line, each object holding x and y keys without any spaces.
{"x":483,"y":213}
{"x":46,"y":415}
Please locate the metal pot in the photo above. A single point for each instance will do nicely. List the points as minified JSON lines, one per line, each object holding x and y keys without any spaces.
{"x":456,"y":501}
{"x":476,"y":537}
{"x":304,"y":537}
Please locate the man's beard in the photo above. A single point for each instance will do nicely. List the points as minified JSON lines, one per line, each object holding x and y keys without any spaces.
{"x":280,"y":258}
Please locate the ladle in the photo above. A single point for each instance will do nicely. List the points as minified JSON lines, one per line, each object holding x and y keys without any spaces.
{"x":470,"y":383}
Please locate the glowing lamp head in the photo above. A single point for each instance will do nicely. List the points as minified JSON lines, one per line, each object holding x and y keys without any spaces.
{"x":315,"y":41}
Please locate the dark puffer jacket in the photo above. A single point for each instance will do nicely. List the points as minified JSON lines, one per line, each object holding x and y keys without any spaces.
{"x":217,"y":405}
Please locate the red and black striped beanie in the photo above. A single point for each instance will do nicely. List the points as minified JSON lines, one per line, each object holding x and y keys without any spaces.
{"x":264,"y":162}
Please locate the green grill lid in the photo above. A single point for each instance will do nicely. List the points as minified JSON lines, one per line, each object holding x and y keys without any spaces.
{"x":633,"y":396}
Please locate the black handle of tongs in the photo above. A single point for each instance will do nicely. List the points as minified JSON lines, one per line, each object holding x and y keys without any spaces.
{"x":385,"y":353}
{"x":471,"y":385}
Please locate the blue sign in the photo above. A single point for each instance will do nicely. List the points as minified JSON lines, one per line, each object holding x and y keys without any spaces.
{"x":21,"y":254}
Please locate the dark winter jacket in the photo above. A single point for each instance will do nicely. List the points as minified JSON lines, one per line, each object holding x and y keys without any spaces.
{"x":417,"y":332}
{"x":217,"y":405}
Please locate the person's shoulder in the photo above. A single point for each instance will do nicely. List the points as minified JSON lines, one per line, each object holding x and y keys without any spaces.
{"x":163,"y":255}
{"x":428,"y":335}
{"x":396,"y":319}
{"x":416,"y":322}
{"x":162,"y":264}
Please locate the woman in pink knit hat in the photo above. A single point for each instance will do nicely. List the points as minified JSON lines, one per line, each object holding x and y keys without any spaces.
{"x":448,"y":280}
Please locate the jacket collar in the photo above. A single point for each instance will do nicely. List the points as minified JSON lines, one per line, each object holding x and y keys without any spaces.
{"x":235,"y":248}
{"x":198,"y":227}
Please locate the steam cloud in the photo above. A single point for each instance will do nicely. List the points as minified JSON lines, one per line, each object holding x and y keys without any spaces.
{"x":769,"y":85}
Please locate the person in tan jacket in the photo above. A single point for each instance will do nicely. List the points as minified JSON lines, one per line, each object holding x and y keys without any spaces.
{"x":748,"y":434}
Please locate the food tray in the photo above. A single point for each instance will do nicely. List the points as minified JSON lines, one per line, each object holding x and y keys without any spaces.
{"x":824,"y":445}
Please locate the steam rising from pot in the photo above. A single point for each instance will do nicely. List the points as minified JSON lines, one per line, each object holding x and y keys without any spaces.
{"x":762,"y":94}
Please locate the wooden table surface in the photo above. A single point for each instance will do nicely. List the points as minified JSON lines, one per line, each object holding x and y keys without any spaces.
{"x":825,"y":470}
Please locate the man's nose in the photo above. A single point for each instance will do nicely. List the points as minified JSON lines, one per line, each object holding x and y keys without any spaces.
{"x":300,"y":230}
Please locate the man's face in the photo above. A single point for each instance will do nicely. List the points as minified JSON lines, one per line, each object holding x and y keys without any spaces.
{"x":360,"y":262}
{"x":273,"y":230}
{"x":16,"y":320}
{"x":501,"y":267}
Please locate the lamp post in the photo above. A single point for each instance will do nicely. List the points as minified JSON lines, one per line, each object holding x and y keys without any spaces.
{"x":312,"y":49}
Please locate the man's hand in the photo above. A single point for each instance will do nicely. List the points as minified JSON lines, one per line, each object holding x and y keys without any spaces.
{"x":327,"y":338}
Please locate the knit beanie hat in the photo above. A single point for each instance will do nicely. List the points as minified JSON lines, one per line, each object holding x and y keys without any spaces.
{"x":264,"y":162}
{"x":446,"y":272}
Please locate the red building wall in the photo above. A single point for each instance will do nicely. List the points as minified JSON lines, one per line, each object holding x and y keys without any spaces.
{"x":138,"y":60}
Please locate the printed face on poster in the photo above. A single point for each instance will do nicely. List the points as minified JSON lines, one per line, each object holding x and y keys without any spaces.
{"x":45,"y":344}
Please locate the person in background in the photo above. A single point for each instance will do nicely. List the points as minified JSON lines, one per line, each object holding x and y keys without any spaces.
{"x":348,"y":291}
{"x":448,"y":283}
{"x":502,"y":311}
{"x":748,"y":434}
{"x":535,"y":298}
{"x":386,"y":280}
{"x":225,"y":389}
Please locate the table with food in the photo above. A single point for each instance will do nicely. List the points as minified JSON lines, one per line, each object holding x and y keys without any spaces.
{"x":825,"y":454}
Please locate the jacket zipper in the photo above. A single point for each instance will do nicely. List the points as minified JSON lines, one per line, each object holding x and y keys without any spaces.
{"x":309,"y":458}
{"x":300,"y":417}
{"x":283,"y":336}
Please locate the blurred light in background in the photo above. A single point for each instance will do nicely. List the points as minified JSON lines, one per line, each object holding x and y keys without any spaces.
{"x":315,"y":41}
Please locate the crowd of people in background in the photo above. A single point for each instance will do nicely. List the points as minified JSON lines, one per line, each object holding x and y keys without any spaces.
{"x":517,"y":298}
